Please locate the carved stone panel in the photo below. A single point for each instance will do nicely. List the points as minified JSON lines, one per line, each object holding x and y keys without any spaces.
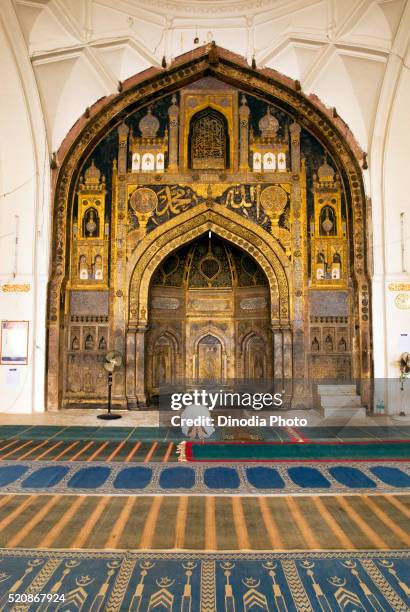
{"x":329,"y":304}
{"x":89,"y":303}
{"x":209,"y":359}
{"x":253,"y":303}
{"x":165,"y":303}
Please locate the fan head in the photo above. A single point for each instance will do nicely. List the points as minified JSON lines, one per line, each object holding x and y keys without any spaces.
{"x":113,"y":360}
{"x":405,"y":363}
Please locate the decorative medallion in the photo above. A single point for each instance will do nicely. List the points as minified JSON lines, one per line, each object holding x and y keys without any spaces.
{"x":144,"y":200}
{"x":402,"y":301}
{"x":327,"y":223}
{"x":273,"y":200}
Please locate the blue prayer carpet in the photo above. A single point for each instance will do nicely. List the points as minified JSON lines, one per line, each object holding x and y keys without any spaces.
{"x":237,"y":479}
{"x":352,"y":477}
{"x":133,"y":478}
{"x":308,"y":478}
{"x":200,"y":582}
{"x":221,"y":478}
{"x":264,"y":478}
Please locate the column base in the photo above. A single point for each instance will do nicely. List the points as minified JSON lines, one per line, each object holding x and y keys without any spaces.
{"x":137,"y":402}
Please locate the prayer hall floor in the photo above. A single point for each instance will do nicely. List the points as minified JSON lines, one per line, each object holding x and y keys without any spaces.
{"x":334,"y":522}
{"x":109,"y":540}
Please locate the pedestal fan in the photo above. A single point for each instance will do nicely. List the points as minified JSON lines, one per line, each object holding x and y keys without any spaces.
{"x":404,"y":372}
{"x":113,"y":361}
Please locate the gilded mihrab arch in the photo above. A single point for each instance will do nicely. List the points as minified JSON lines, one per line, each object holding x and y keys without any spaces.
{"x":209,"y":222}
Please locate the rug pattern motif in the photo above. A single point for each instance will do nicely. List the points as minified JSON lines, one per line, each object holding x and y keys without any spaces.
{"x":205,"y":582}
{"x":155,"y":478}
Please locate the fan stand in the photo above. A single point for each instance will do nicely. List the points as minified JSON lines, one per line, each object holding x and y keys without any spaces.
{"x":402,"y":416}
{"x":109,"y":416}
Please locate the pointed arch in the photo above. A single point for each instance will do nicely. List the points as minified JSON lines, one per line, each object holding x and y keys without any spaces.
{"x":181,"y":230}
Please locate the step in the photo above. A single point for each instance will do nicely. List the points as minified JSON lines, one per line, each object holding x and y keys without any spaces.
{"x":340,"y":400}
{"x":336,"y":390}
{"x":344,"y":412}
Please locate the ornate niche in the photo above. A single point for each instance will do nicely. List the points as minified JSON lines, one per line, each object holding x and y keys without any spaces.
{"x":207,"y":129}
{"x":87,"y":341}
{"x":208,"y":141}
{"x":254,"y":357}
{"x":163,"y":361}
{"x":90,"y":232}
{"x":210,"y":365}
{"x":330,"y":335}
{"x":148,"y":150}
{"x":328,"y":234}
{"x":269,"y":150}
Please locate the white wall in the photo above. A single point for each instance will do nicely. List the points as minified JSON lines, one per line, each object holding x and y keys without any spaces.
{"x":389,"y":163}
{"x":24,"y":193}
{"x":396,"y":199}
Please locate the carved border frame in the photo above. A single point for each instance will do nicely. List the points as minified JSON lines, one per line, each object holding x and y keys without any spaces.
{"x":140,"y":90}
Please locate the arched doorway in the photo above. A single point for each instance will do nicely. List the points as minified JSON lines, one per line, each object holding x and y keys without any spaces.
{"x":213,"y":300}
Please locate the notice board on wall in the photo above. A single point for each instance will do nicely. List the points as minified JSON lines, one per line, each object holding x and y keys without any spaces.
{"x":14,"y":342}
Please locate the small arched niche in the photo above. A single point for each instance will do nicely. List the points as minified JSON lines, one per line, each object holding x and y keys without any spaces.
{"x":208,"y":141}
{"x":91,"y":223}
{"x":209,"y":359}
{"x":254,"y":357}
{"x":327,"y":222}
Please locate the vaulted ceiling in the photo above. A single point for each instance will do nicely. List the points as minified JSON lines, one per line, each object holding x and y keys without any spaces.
{"x":337,"y":49}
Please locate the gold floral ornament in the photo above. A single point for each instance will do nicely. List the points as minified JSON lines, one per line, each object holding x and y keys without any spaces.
{"x":399,"y":286}
{"x":143,"y":201}
{"x":273,"y":200}
{"x":22,"y":288}
{"x":402,"y":301}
